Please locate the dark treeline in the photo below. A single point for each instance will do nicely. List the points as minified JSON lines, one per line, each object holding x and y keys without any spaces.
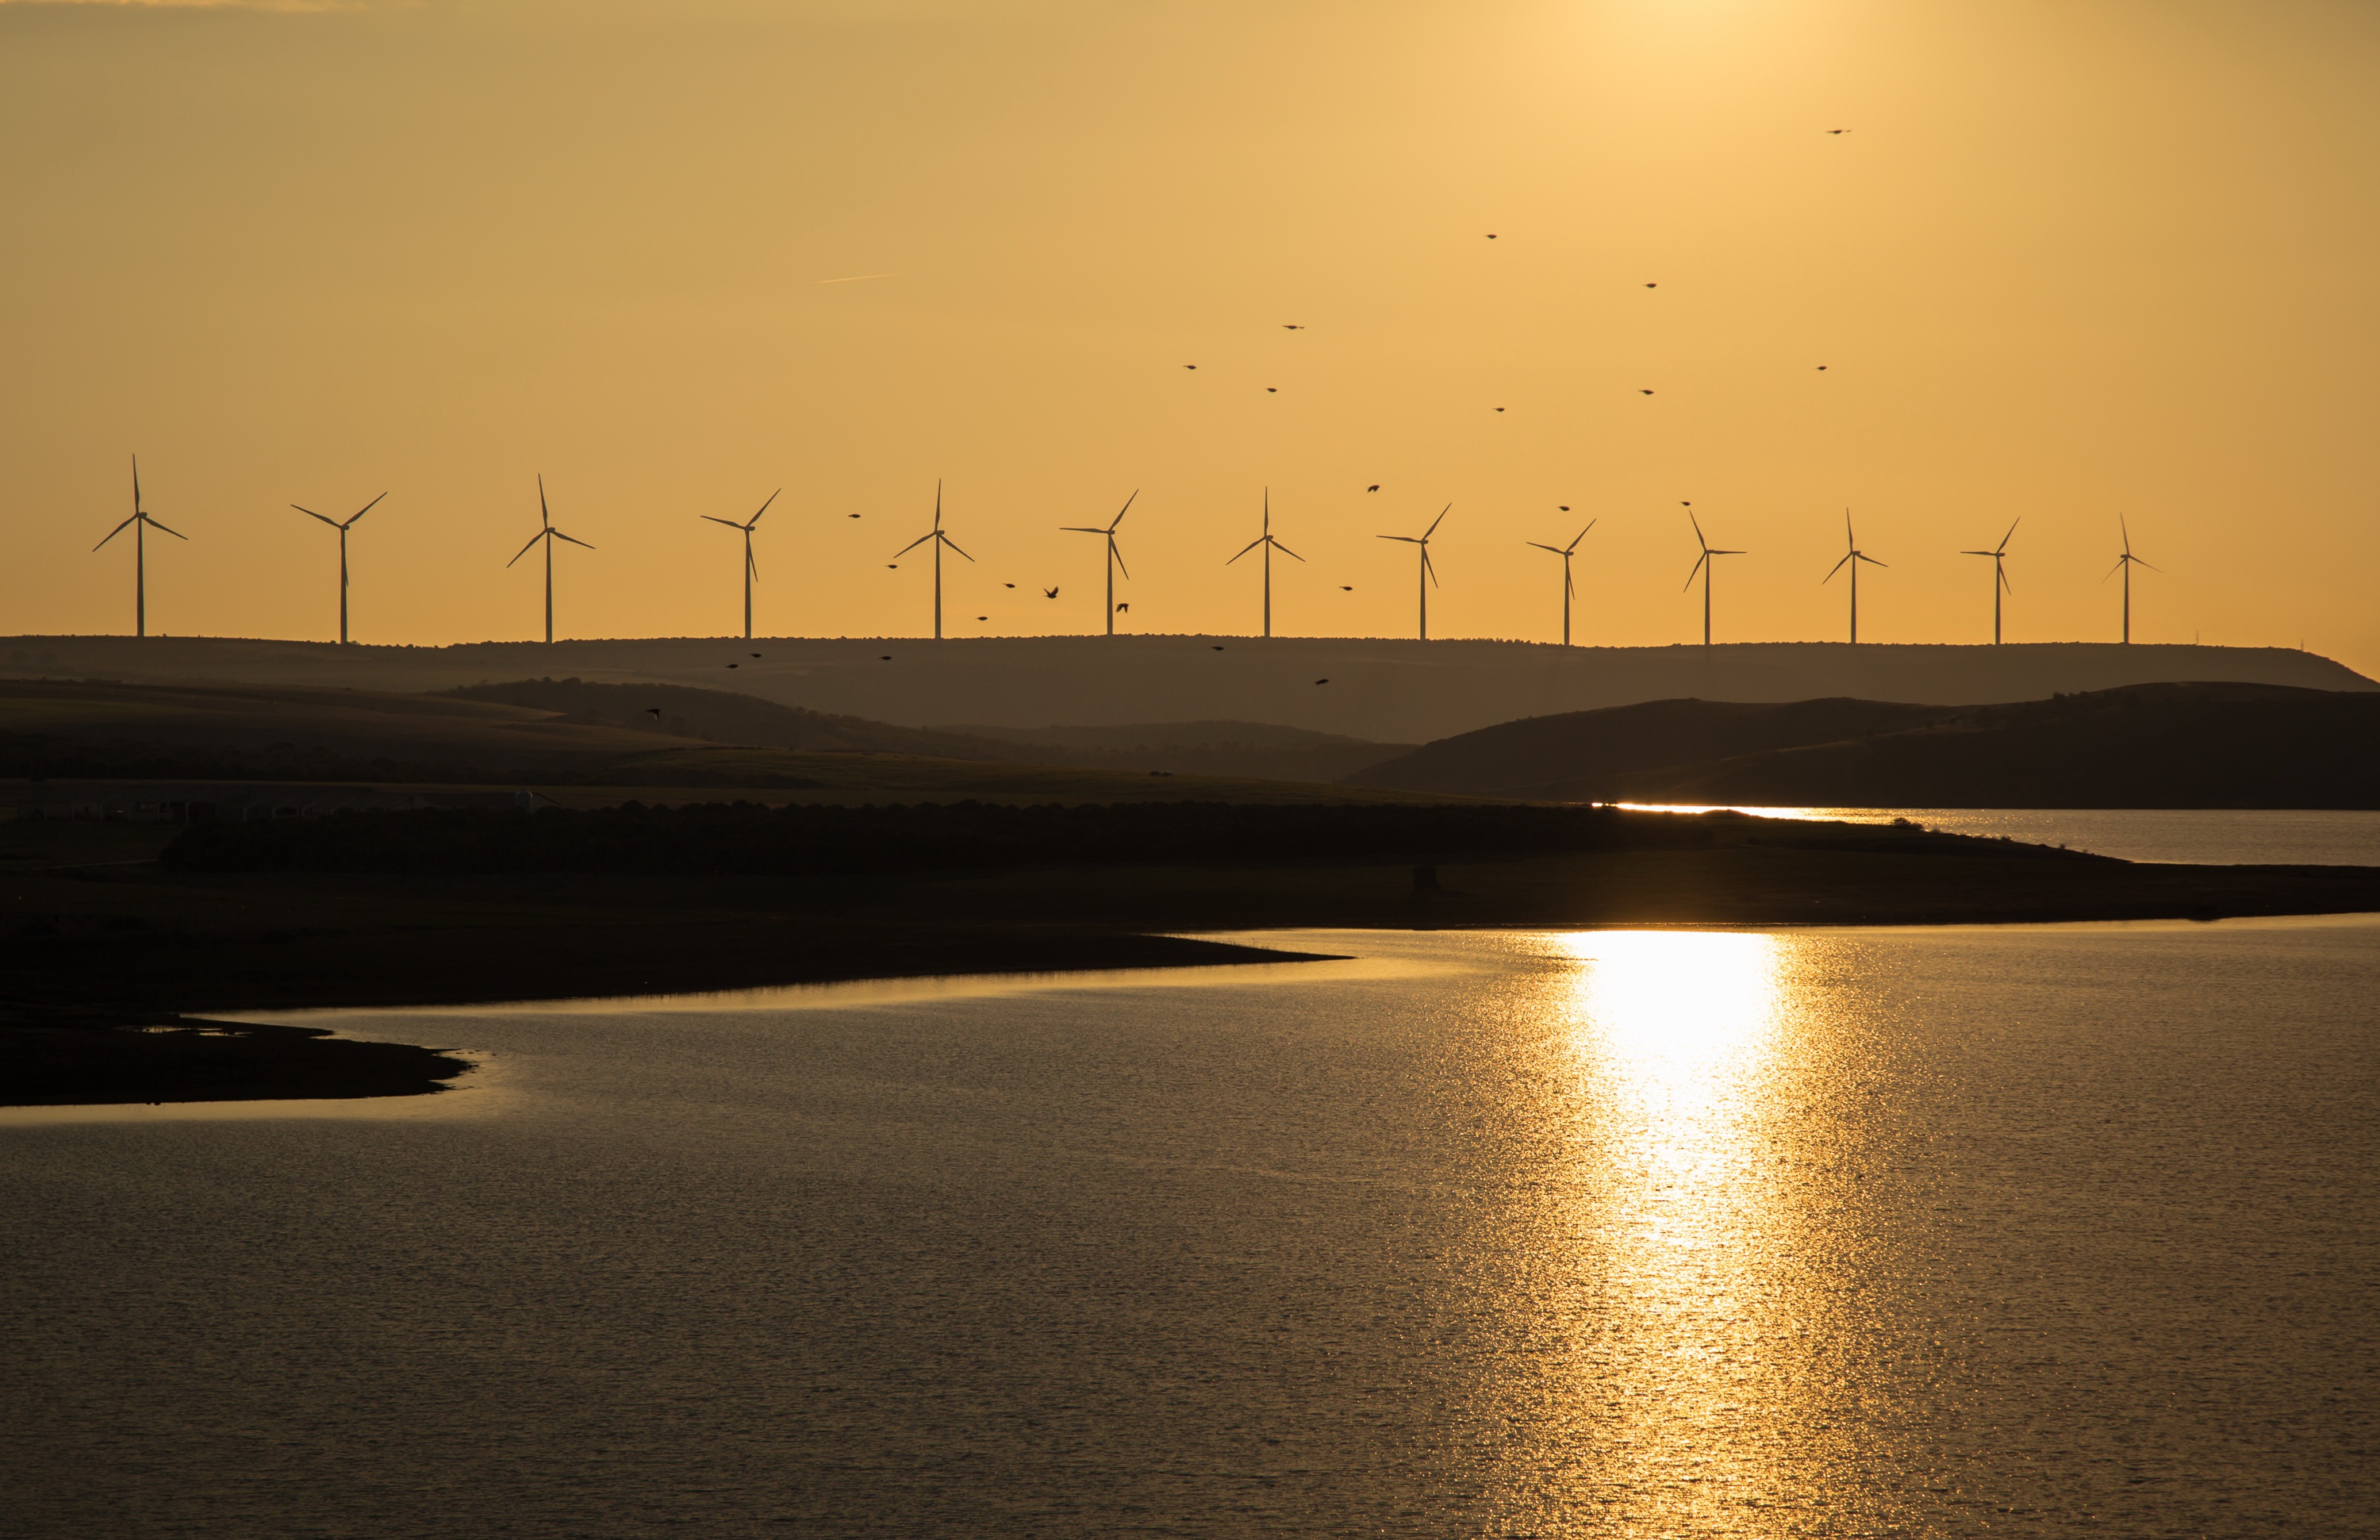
{"x":34,"y":757}
{"x":749,"y":838}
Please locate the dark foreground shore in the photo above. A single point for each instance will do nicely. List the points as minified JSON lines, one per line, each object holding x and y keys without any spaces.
{"x":100,"y":944}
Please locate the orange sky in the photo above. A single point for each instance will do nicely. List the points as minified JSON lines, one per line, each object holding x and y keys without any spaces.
{"x":2073,"y":260}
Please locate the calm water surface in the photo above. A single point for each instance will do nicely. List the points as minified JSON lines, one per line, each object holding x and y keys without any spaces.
{"x":2211,"y":836}
{"x":2040,"y":1232}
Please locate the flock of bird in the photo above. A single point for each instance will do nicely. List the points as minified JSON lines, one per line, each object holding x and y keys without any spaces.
{"x":937,"y":540}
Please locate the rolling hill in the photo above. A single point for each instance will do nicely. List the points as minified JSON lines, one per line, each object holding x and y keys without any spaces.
{"x":2147,"y":746}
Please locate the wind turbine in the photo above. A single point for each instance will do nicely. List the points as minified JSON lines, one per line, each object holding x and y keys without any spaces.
{"x":751,"y":569}
{"x":139,"y":524}
{"x":343,"y":530}
{"x":2125,"y":563}
{"x":937,"y":539}
{"x":1569,"y":587}
{"x":1853,"y":557}
{"x":549,"y":534}
{"x":1116,"y":557}
{"x":1429,"y":572}
{"x":1998,"y":554}
{"x":1705,"y":563}
{"x":1269,"y":545}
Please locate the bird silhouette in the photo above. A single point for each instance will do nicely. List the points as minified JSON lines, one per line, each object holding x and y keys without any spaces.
{"x":1491,"y":235}
{"x":1564,"y":506}
{"x":1645,"y":393}
{"x":755,"y":655}
{"x":1652,"y":285}
{"x":852,"y":515}
{"x":653,"y":711}
{"x":1822,"y":369}
{"x":1287,"y":327}
{"x":892,"y":566}
{"x":1189,"y":366}
{"x":735,"y":665}
{"x":1346,"y":588}
{"x":1373,"y":488}
{"x":1838,"y":130}
{"x":1273,"y":390}
{"x":1218,"y":649}
{"x":887,"y":658}
{"x":1121,"y":608}
{"x":1008,"y":584}
{"x":983,"y":617}
{"x":1326,"y":680}
{"x":1500,"y":408}
{"x":1048,"y":593}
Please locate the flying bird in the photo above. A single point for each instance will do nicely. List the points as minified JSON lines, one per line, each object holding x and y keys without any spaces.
{"x":1326,"y":680}
{"x":852,"y":515}
{"x":1564,"y":506}
{"x":983,"y":617}
{"x":1838,"y":130}
{"x":1500,"y":408}
{"x":1122,"y":609}
{"x":1008,"y":584}
{"x":755,"y":655}
{"x":892,"y":566}
{"x":1491,"y":235}
{"x":1822,"y":369}
{"x":1346,"y":588}
{"x":1048,"y":593}
{"x":735,"y":665}
{"x":1218,"y":649}
{"x":653,"y":711}
{"x":1287,"y":327}
{"x":1645,"y":393}
{"x":1189,"y":366}
{"x":1273,"y":390}
{"x":1373,"y":488}
{"x":1652,"y":285}
{"x":886,"y":659}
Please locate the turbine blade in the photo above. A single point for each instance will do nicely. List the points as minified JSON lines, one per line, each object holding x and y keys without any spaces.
{"x":729,"y":522}
{"x":1698,"y":529}
{"x":1569,"y":586}
{"x":119,"y":530}
{"x":179,"y":536}
{"x":136,"y":483}
{"x":1244,"y":550}
{"x":525,"y":550}
{"x":2004,"y":582}
{"x":751,"y":568}
{"x":1078,"y":530}
{"x":2010,"y":535}
{"x":954,"y":546}
{"x":1118,"y":555}
{"x":1871,"y":561}
{"x":2116,"y":569}
{"x":937,"y":502}
{"x":2151,"y":566}
{"x":1696,"y":571}
{"x":1428,"y":570}
{"x":362,"y":510}
{"x":1979,"y":553}
{"x":572,"y":538}
{"x":764,"y":508}
{"x":543,"y":516}
{"x":1287,"y":552}
{"x":1438,"y":520}
{"x":912,"y":546}
{"x":1832,"y":570}
{"x":1581,"y":535}
{"x":1125,"y":509}
{"x":1541,"y":546}
{"x":311,"y":514}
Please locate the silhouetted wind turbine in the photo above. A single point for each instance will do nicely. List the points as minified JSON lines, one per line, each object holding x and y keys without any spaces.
{"x":1567,"y":586}
{"x":1998,"y":554}
{"x":751,"y":568}
{"x":1116,"y":557}
{"x":1705,"y":563}
{"x":549,"y":534}
{"x":139,"y":524}
{"x":2125,"y":563}
{"x":343,"y":530}
{"x":1853,"y":557}
{"x":935,"y":538}
{"x":1269,"y":545}
{"x":1429,"y":572}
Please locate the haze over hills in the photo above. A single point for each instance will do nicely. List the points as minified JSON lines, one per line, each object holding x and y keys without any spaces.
{"x":2149,"y":745}
{"x":1391,"y":691}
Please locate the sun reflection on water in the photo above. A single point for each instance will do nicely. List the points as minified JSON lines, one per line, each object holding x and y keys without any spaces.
{"x":1677,"y":1236}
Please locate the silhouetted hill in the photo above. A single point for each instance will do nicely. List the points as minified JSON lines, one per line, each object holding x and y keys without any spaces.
{"x":1387,"y":691}
{"x":727,"y":717}
{"x":1551,"y":758}
{"x":1198,"y":748}
{"x":2147,"y":745}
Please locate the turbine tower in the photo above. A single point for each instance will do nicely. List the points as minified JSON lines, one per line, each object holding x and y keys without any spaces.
{"x":343,"y":530}
{"x":1429,"y":574}
{"x":549,"y":534}
{"x":1270,"y":545}
{"x":2125,"y":563}
{"x":139,"y":524}
{"x":1998,"y":554}
{"x":1569,"y":587}
{"x":751,"y":570}
{"x":1853,"y":557}
{"x":1116,"y":557}
{"x":1705,"y":563}
{"x":937,"y":539}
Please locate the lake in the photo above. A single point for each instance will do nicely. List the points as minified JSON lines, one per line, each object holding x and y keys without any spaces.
{"x":1766,"y":1233}
{"x":2211,"y":836}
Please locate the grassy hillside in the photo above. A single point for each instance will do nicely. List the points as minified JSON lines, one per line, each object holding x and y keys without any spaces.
{"x":1254,"y":749}
{"x":2147,"y":746}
